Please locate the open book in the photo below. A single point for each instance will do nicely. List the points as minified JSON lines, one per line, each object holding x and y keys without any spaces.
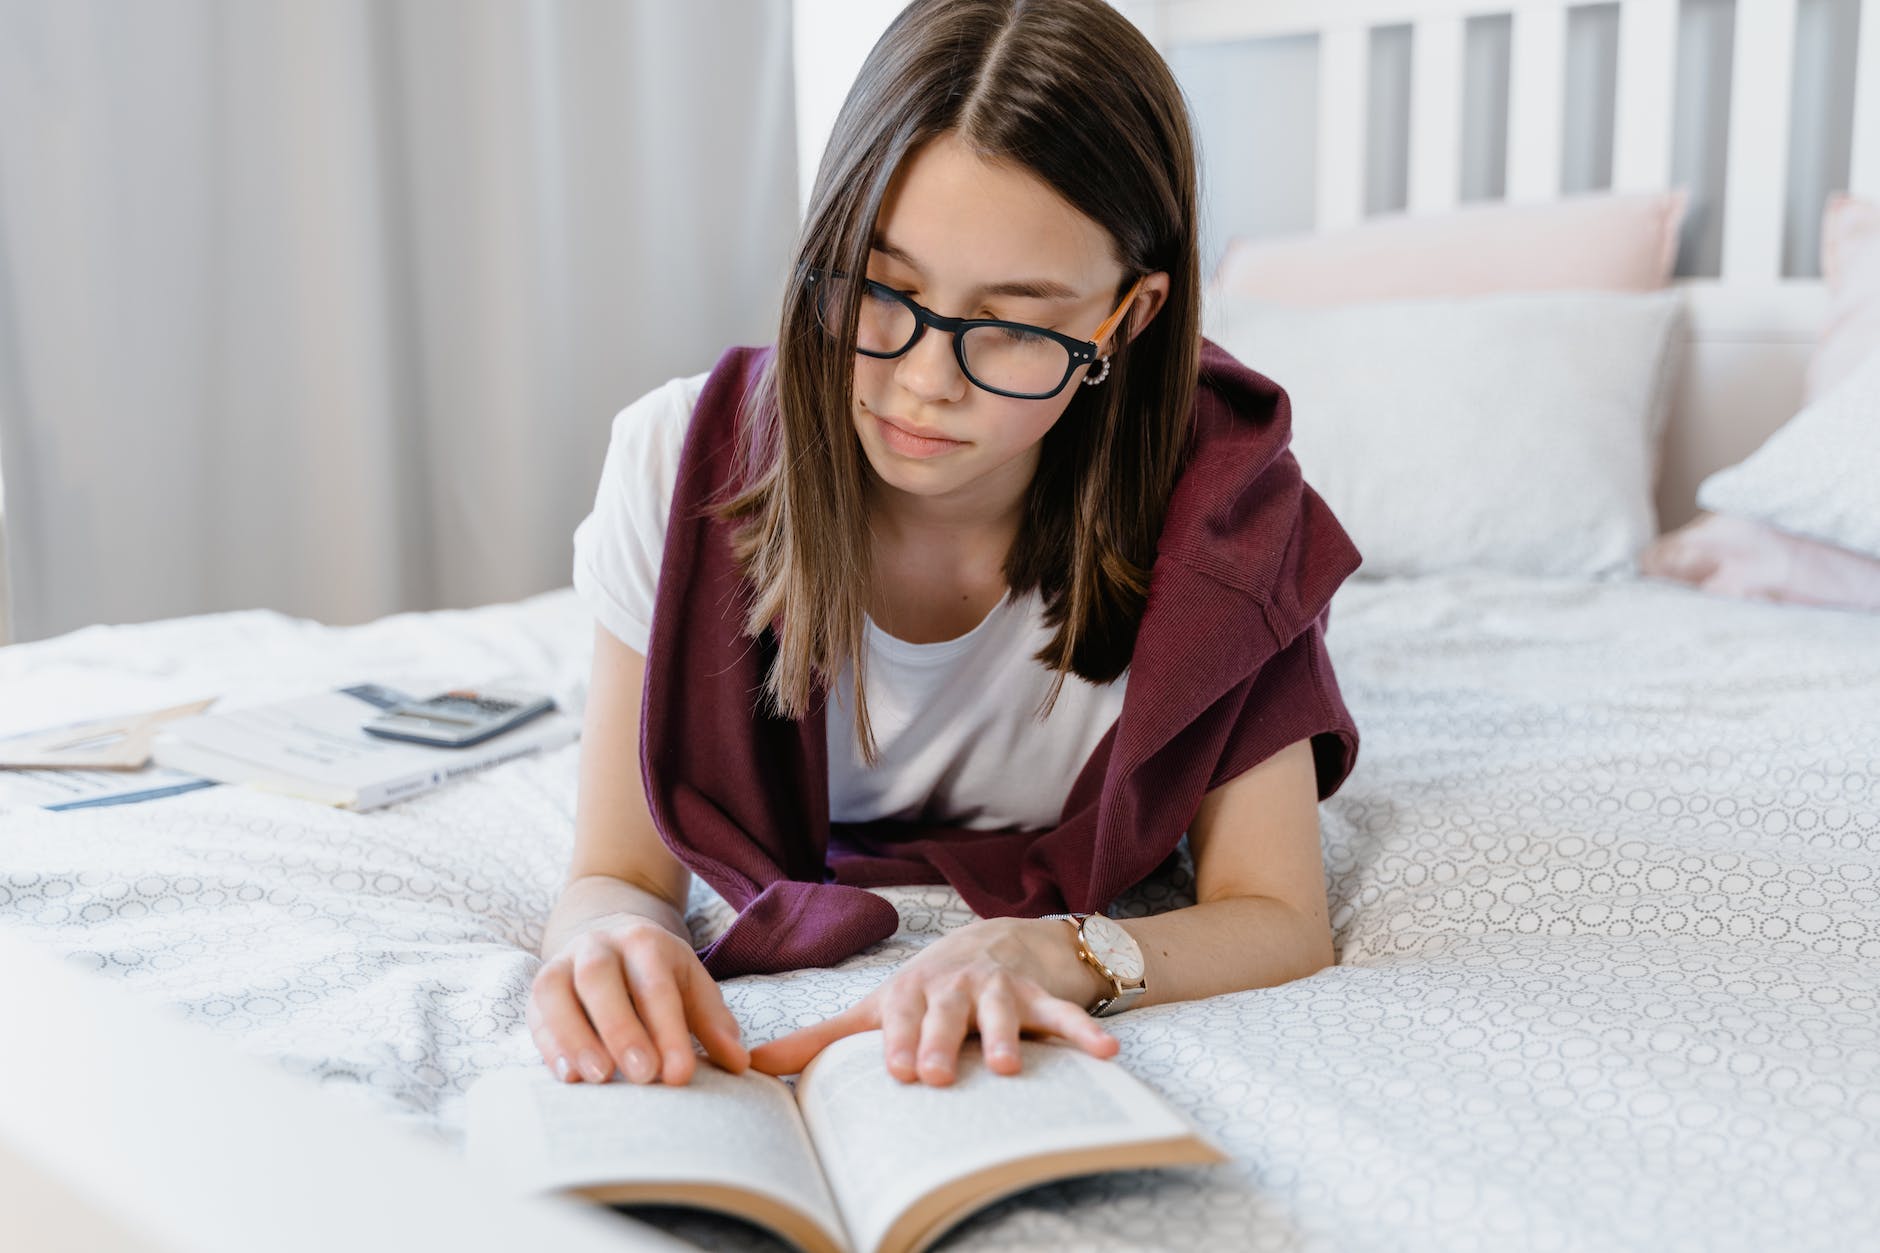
{"x":850,"y":1161}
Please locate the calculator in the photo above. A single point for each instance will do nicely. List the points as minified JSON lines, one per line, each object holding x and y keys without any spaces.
{"x":459,"y":717}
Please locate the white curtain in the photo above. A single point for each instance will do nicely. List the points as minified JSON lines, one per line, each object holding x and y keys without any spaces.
{"x":326,"y":307}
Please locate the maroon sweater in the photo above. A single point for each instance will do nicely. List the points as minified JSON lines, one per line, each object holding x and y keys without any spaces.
{"x":1229,"y":666}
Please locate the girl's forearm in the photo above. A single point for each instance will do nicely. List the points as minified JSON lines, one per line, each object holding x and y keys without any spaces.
{"x":1204,"y":950}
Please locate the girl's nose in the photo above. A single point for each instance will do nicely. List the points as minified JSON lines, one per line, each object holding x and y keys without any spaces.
{"x":930,"y":370}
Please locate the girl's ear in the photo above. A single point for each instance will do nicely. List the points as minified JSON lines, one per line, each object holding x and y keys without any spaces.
{"x":1148,"y":303}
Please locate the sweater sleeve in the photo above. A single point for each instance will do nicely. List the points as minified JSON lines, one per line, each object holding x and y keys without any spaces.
{"x":1293,"y":696}
{"x":617,"y":547}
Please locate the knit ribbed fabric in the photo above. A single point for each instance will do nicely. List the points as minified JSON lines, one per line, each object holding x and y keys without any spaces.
{"x":1229,"y":667}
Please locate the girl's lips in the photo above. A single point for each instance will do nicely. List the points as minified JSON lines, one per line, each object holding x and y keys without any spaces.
{"x":909,"y":444}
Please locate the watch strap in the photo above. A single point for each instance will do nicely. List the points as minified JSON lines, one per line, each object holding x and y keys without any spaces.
{"x":1109,"y":1005}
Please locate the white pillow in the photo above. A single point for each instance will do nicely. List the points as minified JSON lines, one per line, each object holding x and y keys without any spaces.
{"x":1516,"y":432}
{"x":1819,"y":475}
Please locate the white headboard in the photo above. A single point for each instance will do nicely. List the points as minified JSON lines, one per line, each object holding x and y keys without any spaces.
{"x":1751,"y":330}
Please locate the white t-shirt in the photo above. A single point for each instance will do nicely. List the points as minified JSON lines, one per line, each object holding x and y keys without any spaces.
{"x":955,"y":721}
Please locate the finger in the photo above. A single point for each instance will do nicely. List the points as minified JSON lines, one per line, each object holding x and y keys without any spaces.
{"x":943,"y":1029}
{"x":559,"y":1045}
{"x":902,"y":1005}
{"x":782,"y":1056}
{"x":1044,"y":1012}
{"x":656,"y":996}
{"x":600,"y":981}
{"x":569,"y":1015}
{"x":788,"y":1054}
{"x":714,"y":1024}
{"x":998,"y":1015}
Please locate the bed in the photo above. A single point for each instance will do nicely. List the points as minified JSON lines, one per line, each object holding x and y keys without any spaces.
{"x":1605,"y":882}
{"x":1604,"y":889}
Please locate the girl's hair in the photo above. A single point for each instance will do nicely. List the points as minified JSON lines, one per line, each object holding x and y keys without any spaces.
{"x":1070,"y":91}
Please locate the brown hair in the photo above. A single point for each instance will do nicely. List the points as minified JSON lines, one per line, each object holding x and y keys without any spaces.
{"x":1070,"y":91}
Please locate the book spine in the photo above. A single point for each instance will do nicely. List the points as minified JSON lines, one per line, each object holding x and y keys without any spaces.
{"x":375,"y":795}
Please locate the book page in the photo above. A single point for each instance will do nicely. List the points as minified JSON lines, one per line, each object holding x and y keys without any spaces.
{"x":885,"y":1144}
{"x":740,"y":1131}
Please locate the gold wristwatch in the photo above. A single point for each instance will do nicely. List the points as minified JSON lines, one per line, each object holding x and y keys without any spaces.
{"x":1113,"y":953}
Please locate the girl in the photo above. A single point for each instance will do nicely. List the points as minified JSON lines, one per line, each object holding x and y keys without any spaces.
{"x":991,"y":572}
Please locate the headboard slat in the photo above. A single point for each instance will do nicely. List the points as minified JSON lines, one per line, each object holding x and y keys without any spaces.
{"x":1756,"y":170}
{"x":1435,"y":112}
{"x":1641,"y":141}
{"x":1342,"y":67}
{"x":1864,"y":173}
{"x":1536,"y":102}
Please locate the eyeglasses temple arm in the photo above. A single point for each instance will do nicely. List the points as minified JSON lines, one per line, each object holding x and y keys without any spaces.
{"x":1110,"y":322}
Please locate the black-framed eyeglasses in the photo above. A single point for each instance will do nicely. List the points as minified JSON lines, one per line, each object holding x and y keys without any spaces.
{"x":1005,"y":358}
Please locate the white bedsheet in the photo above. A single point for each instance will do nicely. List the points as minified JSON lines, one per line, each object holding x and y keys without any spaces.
{"x":1605,"y":886}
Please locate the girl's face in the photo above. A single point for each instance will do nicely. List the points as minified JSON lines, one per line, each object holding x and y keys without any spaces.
{"x":951,"y":227}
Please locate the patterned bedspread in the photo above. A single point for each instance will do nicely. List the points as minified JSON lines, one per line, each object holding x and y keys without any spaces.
{"x":1605,"y":885}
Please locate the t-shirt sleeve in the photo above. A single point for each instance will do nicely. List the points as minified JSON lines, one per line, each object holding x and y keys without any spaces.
{"x":617,"y":547}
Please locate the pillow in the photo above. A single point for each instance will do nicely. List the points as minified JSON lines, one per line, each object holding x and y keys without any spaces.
{"x":1514,"y":432}
{"x":1605,"y":241}
{"x":1850,"y":266}
{"x":1818,"y":476}
{"x":1730,"y":556}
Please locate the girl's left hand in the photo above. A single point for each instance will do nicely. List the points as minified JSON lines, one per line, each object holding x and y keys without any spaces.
{"x":983,"y":973}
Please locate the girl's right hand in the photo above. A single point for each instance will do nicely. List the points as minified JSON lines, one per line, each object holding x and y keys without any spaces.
{"x":628,"y":995}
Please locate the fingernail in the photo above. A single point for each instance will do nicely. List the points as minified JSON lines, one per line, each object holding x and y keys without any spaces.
{"x":639,"y":1066}
{"x":594,"y":1068}
{"x":562,"y":1068}
{"x":1003,"y":1052}
{"x":902,"y":1059}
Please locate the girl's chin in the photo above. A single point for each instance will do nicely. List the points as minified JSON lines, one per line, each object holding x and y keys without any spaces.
{"x":921,"y":478}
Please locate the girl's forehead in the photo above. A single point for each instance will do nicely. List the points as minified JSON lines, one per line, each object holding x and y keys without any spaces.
{"x":954,"y":216}
{"x":1029,"y":280}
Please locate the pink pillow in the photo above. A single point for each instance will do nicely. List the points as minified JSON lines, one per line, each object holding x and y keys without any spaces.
{"x":1601,"y":241}
{"x":1850,"y":265}
{"x":1732,"y":556}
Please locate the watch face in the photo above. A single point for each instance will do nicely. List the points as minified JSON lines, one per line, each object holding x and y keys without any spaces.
{"x":1114,"y":947}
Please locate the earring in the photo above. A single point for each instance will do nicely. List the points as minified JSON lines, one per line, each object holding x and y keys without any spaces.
{"x":1091,"y":380}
